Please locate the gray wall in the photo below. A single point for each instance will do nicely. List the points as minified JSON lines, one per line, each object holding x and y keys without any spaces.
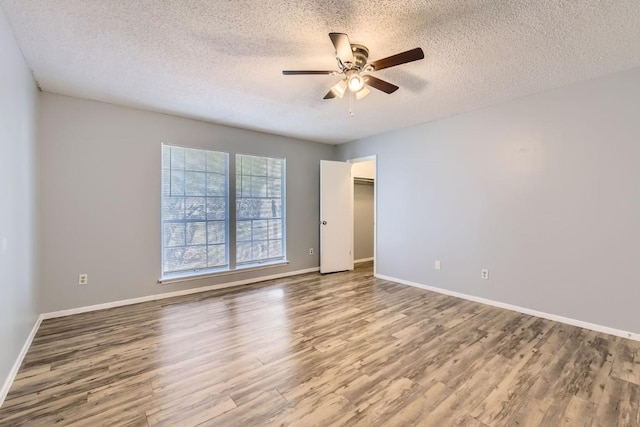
{"x":100,"y":215}
{"x":544,"y":191}
{"x":18,"y":261}
{"x":363,"y":221}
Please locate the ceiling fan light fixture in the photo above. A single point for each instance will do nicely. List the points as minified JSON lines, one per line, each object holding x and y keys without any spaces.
{"x":339,"y":88}
{"x":356,"y":82}
{"x":363,"y":92}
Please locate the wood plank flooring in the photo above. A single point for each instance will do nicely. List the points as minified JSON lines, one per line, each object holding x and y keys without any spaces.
{"x":341,"y":349}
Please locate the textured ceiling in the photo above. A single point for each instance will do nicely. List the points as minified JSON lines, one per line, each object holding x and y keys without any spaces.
{"x":221,"y":61}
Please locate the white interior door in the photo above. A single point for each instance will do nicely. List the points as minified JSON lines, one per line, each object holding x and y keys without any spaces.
{"x":336,"y":216}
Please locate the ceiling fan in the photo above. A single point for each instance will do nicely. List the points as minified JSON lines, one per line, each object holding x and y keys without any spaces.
{"x":352,"y":62}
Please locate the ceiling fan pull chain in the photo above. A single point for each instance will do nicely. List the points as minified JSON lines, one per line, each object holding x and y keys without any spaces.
{"x":351,"y":104}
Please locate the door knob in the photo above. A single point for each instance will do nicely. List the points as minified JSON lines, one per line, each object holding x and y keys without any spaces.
{"x":324,"y":222}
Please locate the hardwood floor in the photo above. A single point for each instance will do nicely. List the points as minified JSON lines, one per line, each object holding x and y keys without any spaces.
{"x":340,"y":349}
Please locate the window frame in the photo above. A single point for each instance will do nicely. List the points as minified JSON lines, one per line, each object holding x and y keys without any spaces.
{"x":231,"y":183}
{"x":163,"y":221}
{"x":283,"y":214}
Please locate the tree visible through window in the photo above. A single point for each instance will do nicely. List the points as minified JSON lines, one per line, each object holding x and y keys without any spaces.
{"x":260,"y":209}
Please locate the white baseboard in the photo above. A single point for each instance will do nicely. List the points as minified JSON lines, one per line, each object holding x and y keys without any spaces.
{"x":147,"y":298}
{"x":358,"y":261}
{"x":16,"y":366}
{"x":554,"y":317}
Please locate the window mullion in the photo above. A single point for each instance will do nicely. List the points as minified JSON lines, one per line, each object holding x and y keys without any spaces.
{"x":232,"y":212}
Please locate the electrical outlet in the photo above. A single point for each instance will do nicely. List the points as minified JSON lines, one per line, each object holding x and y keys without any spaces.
{"x":310,"y":251}
{"x":437,"y":265}
{"x":485,"y":274}
{"x":83,"y":279}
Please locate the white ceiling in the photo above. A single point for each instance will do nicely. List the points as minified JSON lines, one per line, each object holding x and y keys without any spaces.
{"x":221,"y":61}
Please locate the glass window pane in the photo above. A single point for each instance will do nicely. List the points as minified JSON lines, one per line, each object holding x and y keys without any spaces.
{"x":270,"y":208}
{"x":196,"y":233}
{"x":194,"y":160}
{"x":243,"y":186}
{"x":166,"y":184}
{"x":258,"y":186}
{"x":275,"y":229}
{"x":248,"y":208}
{"x":243,"y":231}
{"x":174,"y":234}
{"x":166,"y":157}
{"x":274,"y":168}
{"x":216,"y":184}
{"x":275,"y":248}
{"x":216,"y":208}
{"x":195,"y":257}
{"x":217,"y":255}
{"x":216,"y":162}
{"x":194,"y":183}
{"x":195,"y":208}
{"x":274,"y":187}
{"x":177,"y":158}
{"x":177,"y":183}
{"x":172,"y":208}
{"x":243,"y":252}
{"x":260,"y":250}
{"x":259,"y":166}
{"x":172,"y":259}
{"x":245,"y":165}
{"x":216,"y":232}
{"x":185,"y":258}
{"x":260,"y":230}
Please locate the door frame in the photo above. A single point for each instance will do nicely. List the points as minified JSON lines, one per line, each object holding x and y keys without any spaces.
{"x":373,"y":158}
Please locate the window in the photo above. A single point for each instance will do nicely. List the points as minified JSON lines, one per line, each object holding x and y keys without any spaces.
{"x":260,"y":209}
{"x":195,"y":219}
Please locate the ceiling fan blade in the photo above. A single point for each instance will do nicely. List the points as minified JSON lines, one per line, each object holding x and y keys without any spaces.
{"x":298,"y":72}
{"x":343,"y":47}
{"x":330,"y":95}
{"x":380,"y":84}
{"x":400,"y":58}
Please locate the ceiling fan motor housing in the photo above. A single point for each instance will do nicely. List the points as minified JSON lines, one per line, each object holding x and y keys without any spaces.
{"x":360,"y":55}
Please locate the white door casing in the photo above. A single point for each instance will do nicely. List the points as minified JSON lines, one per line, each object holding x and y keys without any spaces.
{"x":336,"y":216}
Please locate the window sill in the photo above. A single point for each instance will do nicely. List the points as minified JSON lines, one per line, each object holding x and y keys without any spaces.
{"x":197,"y":276}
